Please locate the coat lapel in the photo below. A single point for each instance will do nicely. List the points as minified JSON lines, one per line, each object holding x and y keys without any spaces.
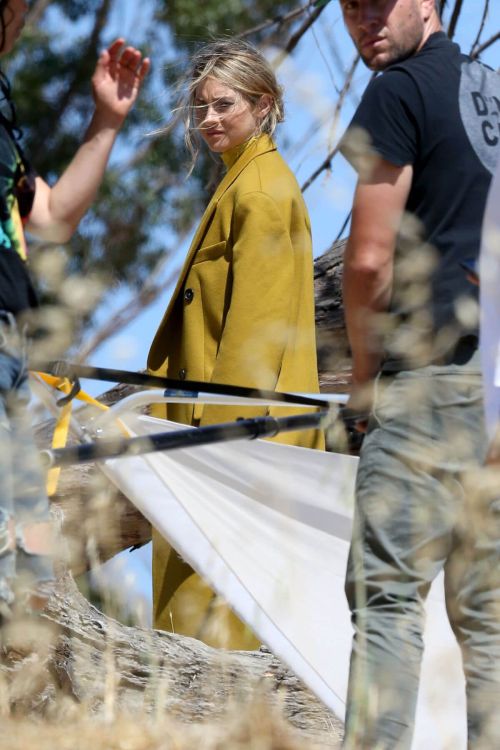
{"x":260,"y":146}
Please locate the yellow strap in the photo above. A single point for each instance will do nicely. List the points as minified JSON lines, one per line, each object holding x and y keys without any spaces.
{"x":61,"y":429}
{"x":61,"y":385}
{"x":60,"y":437}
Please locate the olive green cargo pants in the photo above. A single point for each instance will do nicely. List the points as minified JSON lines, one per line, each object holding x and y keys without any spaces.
{"x":415,"y":515}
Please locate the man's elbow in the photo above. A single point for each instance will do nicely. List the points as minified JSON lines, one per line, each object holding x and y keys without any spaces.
{"x":370,"y":264}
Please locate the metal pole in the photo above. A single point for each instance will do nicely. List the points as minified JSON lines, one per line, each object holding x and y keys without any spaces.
{"x":257,"y":427}
{"x":63,"y":369}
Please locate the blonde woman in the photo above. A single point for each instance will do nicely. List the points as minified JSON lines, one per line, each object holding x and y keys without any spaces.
{"x":242,"y":312}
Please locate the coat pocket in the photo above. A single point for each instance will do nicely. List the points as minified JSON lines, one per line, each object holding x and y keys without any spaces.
{"x":210,"y":252}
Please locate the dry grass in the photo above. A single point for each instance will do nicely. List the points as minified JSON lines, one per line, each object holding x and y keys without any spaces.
{"x":72,"y":728}
{"x":37,"y":710}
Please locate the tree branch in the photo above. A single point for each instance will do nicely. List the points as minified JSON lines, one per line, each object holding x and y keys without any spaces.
{"x":306,"y":25}
{"x":326,"y":164}
{"x":343,"y":228}
{"x":454,"y":18}
{"x":280,"y":19}
{"x":37,"y":12}
{"x":482,"y":25}
{"x":485,"y":45}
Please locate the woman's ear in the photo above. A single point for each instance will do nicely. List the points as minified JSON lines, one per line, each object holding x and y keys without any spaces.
{"x":264,"y":106}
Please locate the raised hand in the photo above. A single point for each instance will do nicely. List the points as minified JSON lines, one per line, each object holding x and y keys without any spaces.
{"x":117,"y":79}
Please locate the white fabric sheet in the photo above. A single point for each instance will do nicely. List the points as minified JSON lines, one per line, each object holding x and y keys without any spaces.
{"x":489,"y":273}
{"x":268,"y":526}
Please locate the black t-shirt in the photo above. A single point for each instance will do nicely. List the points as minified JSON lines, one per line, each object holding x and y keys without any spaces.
{"x":440,"y":112}
{"x":17,"y":190}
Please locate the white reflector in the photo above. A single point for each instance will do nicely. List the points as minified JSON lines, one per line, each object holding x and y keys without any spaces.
{"x":489,"y":275}
{"x":268,"y":527}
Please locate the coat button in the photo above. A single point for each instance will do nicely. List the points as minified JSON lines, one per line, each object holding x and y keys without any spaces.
{"x":182,"y":374}
{"x":188,"y":296}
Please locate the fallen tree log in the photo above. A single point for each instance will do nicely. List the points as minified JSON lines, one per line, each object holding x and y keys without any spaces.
{"x":153,"y":670}
{"x":334,"y":363}
{"x":100,"y":662}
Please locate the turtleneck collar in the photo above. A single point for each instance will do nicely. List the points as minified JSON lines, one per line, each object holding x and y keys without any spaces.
{"x":231,"y":157}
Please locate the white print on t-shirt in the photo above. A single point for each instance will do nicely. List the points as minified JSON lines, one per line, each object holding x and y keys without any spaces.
{"x":480,"y":111}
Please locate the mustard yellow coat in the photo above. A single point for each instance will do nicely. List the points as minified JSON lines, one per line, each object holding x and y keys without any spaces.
{"x":242,"y":313}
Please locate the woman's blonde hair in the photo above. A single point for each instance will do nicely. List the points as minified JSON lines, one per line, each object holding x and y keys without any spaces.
{"x":236,"y":64}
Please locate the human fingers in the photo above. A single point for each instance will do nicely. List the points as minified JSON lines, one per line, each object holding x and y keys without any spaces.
{"x":108,"y":59}
{"x":131,"y":59}
{"x":115,"y":48}
{"x":144,"y":68}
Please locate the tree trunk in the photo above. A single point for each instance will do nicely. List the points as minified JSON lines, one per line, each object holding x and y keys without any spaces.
{"x":196,"y":681}
{"x":334,"y":362}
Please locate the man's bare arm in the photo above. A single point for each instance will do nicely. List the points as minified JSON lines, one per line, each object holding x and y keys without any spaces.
{"x":378,"y":208}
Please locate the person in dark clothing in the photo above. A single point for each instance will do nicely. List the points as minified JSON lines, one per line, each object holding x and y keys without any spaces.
{"x":429,"y":125}
{"x":52,"y":214}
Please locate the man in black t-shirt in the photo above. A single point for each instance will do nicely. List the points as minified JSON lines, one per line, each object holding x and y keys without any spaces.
{"x":425,"y":141}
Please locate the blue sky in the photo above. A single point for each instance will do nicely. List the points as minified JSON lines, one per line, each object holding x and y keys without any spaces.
{"x":311,"y":78}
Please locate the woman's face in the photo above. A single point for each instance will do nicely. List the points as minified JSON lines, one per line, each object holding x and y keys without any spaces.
{"x":13,"y":15}
{"x":223,"y":117}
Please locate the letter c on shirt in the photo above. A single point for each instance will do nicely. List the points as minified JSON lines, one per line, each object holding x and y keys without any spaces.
{"x":489,"y":133}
